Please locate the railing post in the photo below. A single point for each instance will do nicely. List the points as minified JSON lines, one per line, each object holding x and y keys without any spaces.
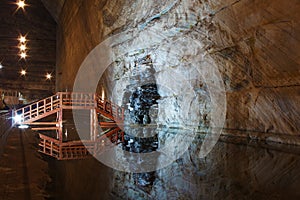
{"x":51,"y":146}
{"x":60,"y":99}
{"x":30,"y":111}
{"x":51,"y":99}
{"x":85,"y":99}
{"x":91,"y":124}
{"x":44,"y":105}
{"x":60,"y":119}
{"x":23,"y":113}
{"x":37,"y":109}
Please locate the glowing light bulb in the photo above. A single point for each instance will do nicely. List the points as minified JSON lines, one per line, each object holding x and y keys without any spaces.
{"x":18,"y":119}
{"x":21,"y":4}
{"x":23,"y":72}
{"x":48,"y":76}
{"x":23,"y":55}
{"x":22,"y":47}
{"x":22,"y":39}
{"x":1,"y":66}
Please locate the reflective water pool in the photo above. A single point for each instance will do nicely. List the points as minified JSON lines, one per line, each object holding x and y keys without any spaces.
{"x":235,"y":169}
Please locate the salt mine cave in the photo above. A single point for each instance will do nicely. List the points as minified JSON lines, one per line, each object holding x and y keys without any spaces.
{"x":136,"y":99}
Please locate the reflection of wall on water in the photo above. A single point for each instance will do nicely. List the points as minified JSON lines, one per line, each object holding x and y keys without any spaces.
{"x":141,"y":145}
{"x":141,"y":95}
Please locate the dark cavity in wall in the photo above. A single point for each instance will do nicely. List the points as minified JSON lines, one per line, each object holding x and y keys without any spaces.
{"x":141,"y":101}
{"x":142,"y":95}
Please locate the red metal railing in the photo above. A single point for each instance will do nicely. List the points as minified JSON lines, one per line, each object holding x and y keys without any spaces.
{"x":109,"y":109}
{"x":37,"y":110}
{"x":78,"y":149}
{"x":71,"y":100}
{"x":77,"y":100}
{"x":68,"y":100}
{"x":50,"y":105}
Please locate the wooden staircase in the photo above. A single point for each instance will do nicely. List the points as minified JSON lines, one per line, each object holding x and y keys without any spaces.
{"x":37,"y":110}
{"x":54,"y":145}
{"x":109,"y":110}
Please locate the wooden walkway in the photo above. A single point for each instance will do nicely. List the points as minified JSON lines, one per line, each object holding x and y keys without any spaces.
{"x":36,"y":113}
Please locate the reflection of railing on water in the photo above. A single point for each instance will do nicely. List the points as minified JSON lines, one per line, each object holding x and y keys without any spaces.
{"x":56,"y":146}
{"x":79,"y":149}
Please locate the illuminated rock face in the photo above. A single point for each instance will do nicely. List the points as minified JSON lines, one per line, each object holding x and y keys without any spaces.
{"x":253,"y":44}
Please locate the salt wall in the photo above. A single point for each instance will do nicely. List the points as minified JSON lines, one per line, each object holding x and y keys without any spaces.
{"x":175,"y":47}
{"x":254,"y":45}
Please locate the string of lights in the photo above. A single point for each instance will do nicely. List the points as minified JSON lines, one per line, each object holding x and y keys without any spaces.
{"x":23,"y":48}
{"x":22,"y":51}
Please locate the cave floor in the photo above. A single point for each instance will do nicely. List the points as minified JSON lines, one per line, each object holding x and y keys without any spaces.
{"x":235,"y":169}
{"x":23,"y":174}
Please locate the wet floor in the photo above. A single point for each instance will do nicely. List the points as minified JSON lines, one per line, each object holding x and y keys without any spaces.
{"x":235,"y":169}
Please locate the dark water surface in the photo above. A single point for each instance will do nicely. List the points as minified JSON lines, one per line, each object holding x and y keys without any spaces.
{"x":235,"y":169}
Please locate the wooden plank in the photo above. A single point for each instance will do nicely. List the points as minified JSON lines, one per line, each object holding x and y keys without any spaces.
{"x":108,"y":124}
{"x":48,"y":146}
{"x":31,"y":120}
{"x":43,"y":123}
{"x":45,"y":128}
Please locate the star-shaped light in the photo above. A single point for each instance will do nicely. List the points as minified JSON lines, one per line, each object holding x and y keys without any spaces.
{"x":22,"y":39}
{"x":23,"y":55}
{"x":22,"y":47}
{"x":23,"y":72}
{"x":48,"y":76}
{"x":21,"y":4}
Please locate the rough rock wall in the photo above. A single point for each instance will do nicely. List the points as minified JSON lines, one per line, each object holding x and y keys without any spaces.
{"x":254,"y":44}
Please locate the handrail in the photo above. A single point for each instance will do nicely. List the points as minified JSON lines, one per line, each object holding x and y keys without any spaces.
{"x":108,"y":107}
{"x":77,"y":99}
{"x":74,"y":149}
{"x":67,"y":100}
{"x":37,"y":108}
